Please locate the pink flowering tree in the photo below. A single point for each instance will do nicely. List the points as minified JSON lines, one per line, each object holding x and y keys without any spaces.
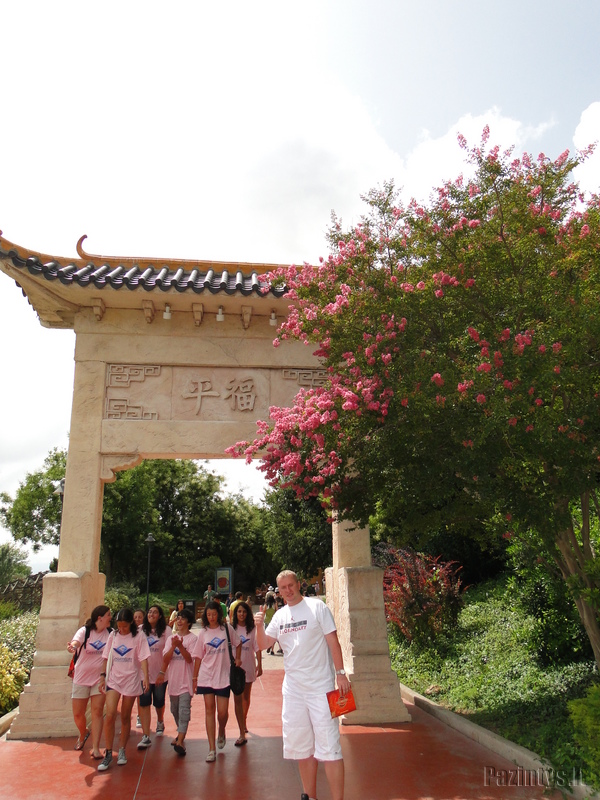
{"x":462,"y":341}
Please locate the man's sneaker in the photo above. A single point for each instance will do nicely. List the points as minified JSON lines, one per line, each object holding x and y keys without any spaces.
{"x":145,"y":742}
{"x":105,"y":763}
{"x":160,"y":728}
{"x":122,"y":759}
{"x":138,"y":723}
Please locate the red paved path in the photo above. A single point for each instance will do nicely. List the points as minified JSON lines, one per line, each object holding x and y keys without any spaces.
{"x":421,"y":759}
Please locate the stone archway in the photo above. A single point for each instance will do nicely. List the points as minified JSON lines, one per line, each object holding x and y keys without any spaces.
{"x":172,"y":361}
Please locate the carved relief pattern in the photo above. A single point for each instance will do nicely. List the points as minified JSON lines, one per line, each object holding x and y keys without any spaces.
{"x":125,"y":374}
{"x":119,"y":408}
{"x":306,"y":377}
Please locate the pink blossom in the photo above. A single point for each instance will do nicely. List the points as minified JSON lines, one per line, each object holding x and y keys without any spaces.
{"x":557,"y":369}
{"x":439,"y":293}
{"x":481,"y":398}
{"x":485,"y":367}
{"x":473,"y":334}
{"x":470,"y":282}
{"x":462,"y":387}
{"x":468,"y":443}
{"x":529,"y":428}
{"x":474,"y":223}
{"x":508,"y":385}
{"x":539,"y":401}
{"x":542,"y":348}
{"x":584,"y":231}
{"x":557,"y":347}
{"x":512,"y":421}
{"x":437,"y":379}
{"x":420,"y":285}
{"x":404,"y":402}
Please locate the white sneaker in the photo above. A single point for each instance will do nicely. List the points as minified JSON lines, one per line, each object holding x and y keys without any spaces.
{"x":145,"y":742}
{"x":122,"y":759}
{"x":160,"y":728}
{"x":212,"y":755}
{"x":138,"y":723}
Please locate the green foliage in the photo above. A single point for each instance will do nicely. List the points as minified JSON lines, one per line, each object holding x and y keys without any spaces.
{"x":422,"y":595}
{"x":18,"y":634}
{"x":12,"y":679}
{"x":585,"y":716}
{"x":8,"y":609}
{"x":487,"y":669}
{"x":298,"y":535}
{"x":13,"y":563}
{"x":33,"y":517}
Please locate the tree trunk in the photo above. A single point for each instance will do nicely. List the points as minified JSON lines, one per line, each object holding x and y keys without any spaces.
{"x":571,"y":560}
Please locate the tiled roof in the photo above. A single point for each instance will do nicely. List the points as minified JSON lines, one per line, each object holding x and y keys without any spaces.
{"x":182,"y":276}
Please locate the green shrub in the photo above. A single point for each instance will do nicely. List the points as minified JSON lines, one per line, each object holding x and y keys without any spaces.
{"x":121,"y":595}
{"x":18,"y":634}
{"x":12,"y":679}
{"x":8,"y":609}
{"x":585,"y":716}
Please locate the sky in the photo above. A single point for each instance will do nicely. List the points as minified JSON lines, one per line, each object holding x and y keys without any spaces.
{"x":231,"y":131}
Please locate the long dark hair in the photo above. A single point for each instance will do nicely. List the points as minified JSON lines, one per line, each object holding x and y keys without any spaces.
{"x":161,"y":625}
{"x":213,"y":606}
{"x":97,"y":612}
{"x":249,"y":616}
{"x":126,"y":615}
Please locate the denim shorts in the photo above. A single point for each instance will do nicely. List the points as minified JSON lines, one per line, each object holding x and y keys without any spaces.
{"x":155,"y":696}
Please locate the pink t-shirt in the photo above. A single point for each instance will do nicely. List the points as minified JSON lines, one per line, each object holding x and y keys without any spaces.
{"x":249,"y":648}
{"x":212,"y":648}
{"x":128,"y":653}
{"x":157,"y":646}
{"x":179,"y":672}
{"x":90,"y":663}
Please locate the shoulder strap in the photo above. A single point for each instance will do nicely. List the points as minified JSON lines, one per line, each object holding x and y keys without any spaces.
{"x":229,"y":645}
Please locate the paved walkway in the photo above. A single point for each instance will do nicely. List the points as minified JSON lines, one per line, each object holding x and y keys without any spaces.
{"x":409,"y":761}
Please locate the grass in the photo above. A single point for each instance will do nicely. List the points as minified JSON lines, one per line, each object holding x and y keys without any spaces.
{"x":487,"y":670}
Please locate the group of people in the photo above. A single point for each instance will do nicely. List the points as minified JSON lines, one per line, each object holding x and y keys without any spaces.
{"x":141,"y":660}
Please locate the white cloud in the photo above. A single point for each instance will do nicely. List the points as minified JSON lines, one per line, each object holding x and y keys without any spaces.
{"x":587,"y":133}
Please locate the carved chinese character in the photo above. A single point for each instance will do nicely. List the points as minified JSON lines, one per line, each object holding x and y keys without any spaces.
{"x":199,"y":389}
{"x":241,"y":393}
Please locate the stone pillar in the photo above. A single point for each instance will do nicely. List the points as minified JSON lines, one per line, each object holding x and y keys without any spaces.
{"x":355,"y":595}
{"x":70,"y":594}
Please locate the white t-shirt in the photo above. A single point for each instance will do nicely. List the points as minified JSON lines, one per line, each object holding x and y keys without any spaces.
{"x":300,"y":631}
{"x":180,"y":672}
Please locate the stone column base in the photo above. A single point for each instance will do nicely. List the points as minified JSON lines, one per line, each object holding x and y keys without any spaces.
{"x":362,"y":631}
{"x":45,"y":709}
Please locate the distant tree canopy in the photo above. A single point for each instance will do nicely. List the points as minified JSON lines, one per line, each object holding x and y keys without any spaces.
{"x":180,"y":503}
{"x":13,"y":563}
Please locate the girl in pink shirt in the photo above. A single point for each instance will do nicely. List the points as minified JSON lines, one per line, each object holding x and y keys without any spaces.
{"x":125,"y":676}
{"x":243,"y":622}
{"x":211,"y":672}
{"x":89,"y":642}
{"x":177,"y":668}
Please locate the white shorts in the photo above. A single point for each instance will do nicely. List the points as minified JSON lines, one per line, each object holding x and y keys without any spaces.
{"x":81,"y":692}
{"x":308,"y":729}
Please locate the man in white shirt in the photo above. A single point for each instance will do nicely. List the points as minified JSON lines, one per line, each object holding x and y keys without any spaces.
{"x":312,"y":659}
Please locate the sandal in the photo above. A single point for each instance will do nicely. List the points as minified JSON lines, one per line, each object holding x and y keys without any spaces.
{"x":212,"y":755}
{"x":179,"y":749}
{"x":80,"y":743}
{"x":221,"y":742}
{"x":241,"y":742}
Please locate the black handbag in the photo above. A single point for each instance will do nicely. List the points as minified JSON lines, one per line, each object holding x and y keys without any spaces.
{"x":237,"y":675}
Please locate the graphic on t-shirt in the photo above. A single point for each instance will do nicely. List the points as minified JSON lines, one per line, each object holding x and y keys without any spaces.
{"x":97,"y":645}
{"x":122,"y":650}
{"x":216,"y":642}
{"x":152,"y":640}
{"x":293,"y":626}
{"x":244,"y":639}
{"x":177,"y":651}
